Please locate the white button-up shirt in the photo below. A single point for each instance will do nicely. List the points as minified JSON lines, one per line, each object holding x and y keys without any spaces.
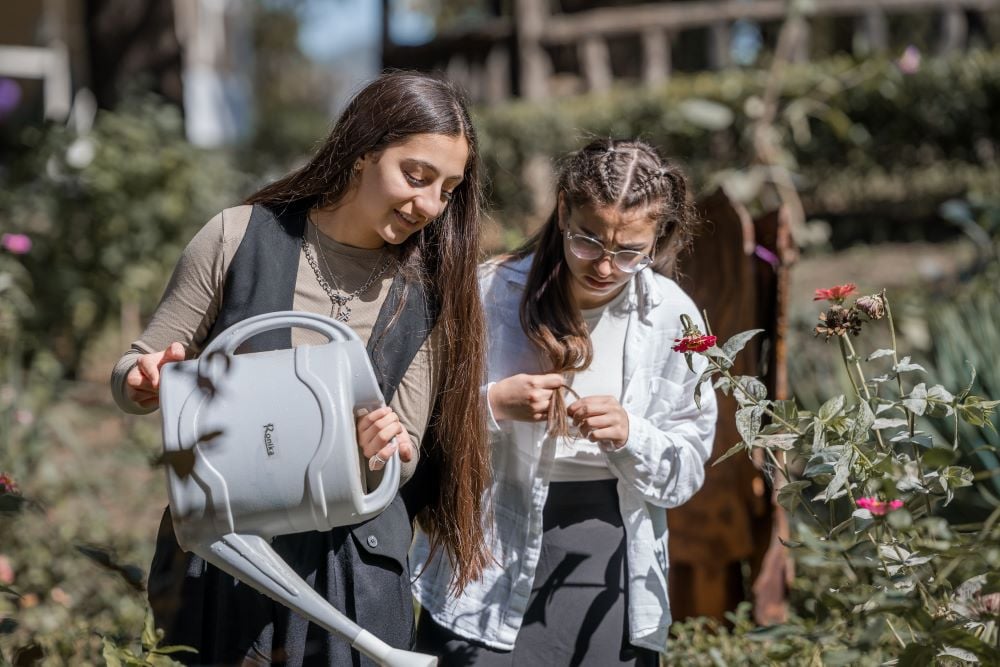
{"x":660,"y":466}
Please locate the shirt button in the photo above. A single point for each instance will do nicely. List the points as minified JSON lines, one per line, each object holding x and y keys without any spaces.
{"x":372,"y":541}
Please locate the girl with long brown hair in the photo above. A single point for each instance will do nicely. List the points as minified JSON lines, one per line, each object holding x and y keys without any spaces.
{"x":578,"y":531}
{"x":379,"y":229}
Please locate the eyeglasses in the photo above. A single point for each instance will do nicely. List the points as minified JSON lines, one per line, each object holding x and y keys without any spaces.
{"x":590,"y":249}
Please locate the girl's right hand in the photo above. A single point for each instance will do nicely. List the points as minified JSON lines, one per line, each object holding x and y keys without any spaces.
{"x":524,"y":397}
{"x":142,"y":384}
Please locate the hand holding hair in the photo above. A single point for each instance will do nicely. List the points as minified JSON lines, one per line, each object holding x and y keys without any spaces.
{"x":524,"y":397}
{"x":142,"y":384}
{"x":601,"y":419}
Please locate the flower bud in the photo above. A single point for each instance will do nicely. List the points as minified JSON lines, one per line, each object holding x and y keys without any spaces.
{"x":873,"y":306}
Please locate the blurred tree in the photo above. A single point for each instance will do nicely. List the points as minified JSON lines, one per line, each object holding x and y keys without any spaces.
{"x":132,"y":44}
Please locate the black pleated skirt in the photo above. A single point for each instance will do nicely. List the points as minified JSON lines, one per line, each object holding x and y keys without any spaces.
{"x":578,"y":609}
{"x":361,"y":570}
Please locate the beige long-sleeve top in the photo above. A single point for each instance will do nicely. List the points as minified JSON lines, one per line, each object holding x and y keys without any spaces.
{"x":192,"y":299}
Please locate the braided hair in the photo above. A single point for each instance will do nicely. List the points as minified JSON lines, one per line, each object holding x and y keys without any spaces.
{"x":625,"y":175}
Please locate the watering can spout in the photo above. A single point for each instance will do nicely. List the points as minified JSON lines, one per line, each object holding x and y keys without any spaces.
{"x":251,"y":559}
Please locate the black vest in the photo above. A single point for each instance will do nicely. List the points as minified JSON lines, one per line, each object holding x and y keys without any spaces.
{"x":361,"y":569}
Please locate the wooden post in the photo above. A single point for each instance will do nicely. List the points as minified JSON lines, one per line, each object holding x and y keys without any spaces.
{"x":496,"y":73}
{"x":718,"y":45}
{"x":954,"y":30}
{"x":800,"y":51}
{"x":655,"y":57}
{"x":596,"y":61}
{"x":529,"y":25}
{"x":459,"y":72}
{"x":874,"y":32}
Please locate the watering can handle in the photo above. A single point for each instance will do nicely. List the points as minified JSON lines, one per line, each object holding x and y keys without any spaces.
{"x":223,"y":347}
{"x":235,"y":335}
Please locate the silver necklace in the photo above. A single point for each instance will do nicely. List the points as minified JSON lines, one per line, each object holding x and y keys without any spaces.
{"x":340,"y":308}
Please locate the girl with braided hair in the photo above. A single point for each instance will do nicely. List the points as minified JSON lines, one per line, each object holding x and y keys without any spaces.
{"x":594,"y":428}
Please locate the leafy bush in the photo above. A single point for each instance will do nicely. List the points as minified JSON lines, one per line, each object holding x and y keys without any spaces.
{"x":868,"y":125}
{"x":108,"y":213}
{"x":893,"y":574}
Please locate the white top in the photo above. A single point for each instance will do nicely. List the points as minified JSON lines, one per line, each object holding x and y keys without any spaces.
{"x":661,"y":465}
{"x":579,"y":459}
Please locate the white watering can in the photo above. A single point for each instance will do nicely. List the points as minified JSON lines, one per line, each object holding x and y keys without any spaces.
{"x":264,"y":444}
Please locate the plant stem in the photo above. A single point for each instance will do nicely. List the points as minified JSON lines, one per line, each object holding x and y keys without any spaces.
{"x":845,"y":341}
{"x":895,"y":355}
{"x":756,"y":403}
{"x":847,"y":365}
{"x":894,"y":633}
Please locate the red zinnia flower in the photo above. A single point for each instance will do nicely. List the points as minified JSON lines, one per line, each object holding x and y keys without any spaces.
{"x":693,"y":343}
{"x":835,"y":294}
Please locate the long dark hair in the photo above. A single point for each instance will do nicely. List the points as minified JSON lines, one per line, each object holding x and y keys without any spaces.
{"x":623,"y":174}
{"x":442,"y":256}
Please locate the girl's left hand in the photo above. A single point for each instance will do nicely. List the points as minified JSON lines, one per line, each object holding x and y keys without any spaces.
{"x":601,"y":419}
{"x":375,"y":433}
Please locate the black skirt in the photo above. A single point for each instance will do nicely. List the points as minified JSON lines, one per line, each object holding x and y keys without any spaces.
{"x":578,"y":609}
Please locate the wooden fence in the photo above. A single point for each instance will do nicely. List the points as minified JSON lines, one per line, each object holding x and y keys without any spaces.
{"x":513,"y":56}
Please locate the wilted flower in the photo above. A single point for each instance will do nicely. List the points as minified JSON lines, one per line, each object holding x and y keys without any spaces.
{"x":693,"y":343}
{"x":873,"y":306}
{"x":8,"y":485}
{"x":835,"y":294}
{"x":838,"y":321}
{"x":879,"y":507}
{"x":19,"y":244}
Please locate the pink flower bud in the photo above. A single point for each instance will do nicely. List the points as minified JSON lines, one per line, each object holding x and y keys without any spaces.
{"x":18,"y":244}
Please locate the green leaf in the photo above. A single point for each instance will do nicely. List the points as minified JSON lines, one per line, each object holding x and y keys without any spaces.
{"x":972,"y":381}
{"x":735,"y":345}
{"x":883,"y":423}
{"x":150,"y":637}
{"x":831,"y":409}
{"x":841,"y":473}
{"x":732,"y":451}
{"x":787,"y":410}
{"x":839,"y":657}
{"x":110,"y":653}
{"x":783,"y":441}
{"x":749,"y":387}
{"x":904,"y":366}
{"x":938,"y":457}
{"x":748,"y":423}
{"x":917,"y":400}
{"x":790,"y":495}
{"x":862,"y":423}
{"x":917,"y":655}
{"x":9,"y":591}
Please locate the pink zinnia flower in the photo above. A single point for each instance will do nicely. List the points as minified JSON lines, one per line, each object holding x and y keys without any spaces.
{"x":8,"y":485}
{"x":835,"y":294}
{"x":693,"y":343}
{"x":19,"y":244}
{"x":879,"y":507}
